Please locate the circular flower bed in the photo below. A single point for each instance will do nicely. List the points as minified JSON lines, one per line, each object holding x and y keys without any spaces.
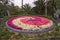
{"x":30,"y":24}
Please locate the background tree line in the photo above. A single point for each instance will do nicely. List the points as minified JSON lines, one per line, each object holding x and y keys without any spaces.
{"x":7,"y":9}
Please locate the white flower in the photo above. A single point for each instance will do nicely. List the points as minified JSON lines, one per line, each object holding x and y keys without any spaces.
{"x":18,"y":23}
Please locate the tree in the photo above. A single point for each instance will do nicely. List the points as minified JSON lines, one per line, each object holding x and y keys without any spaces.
{"x":22,"y":4}
{"x":7,"y":8}
{"x":14,"y":10}
{"x":5,"y":4}
{"x":40,"y":7}
{"x":27,"y":9}
{"x":58,"y":4}
{"x":51,"y":7}
{"x":2,"y":10}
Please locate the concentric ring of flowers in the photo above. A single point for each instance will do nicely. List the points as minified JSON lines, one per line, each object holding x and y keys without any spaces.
{"x":29,"y":22}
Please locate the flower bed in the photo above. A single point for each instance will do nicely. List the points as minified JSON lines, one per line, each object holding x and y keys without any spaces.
{"x":30,"y":24}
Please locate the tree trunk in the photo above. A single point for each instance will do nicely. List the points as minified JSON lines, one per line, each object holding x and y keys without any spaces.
{"x":8,"y":13}
{"x":22,"y":4}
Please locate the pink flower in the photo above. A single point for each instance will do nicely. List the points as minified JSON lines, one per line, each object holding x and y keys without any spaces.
{"x":36,"y":21}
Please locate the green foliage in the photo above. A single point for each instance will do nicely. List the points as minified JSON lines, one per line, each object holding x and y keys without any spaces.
{"x":51,"y":7}
{"x":40,"y":7}
{"x":5,"y":18}
{"x":27,"y":9}
{"x":14,"y":10}
{"x":57,"y":4}
{"x":2,"y":10}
